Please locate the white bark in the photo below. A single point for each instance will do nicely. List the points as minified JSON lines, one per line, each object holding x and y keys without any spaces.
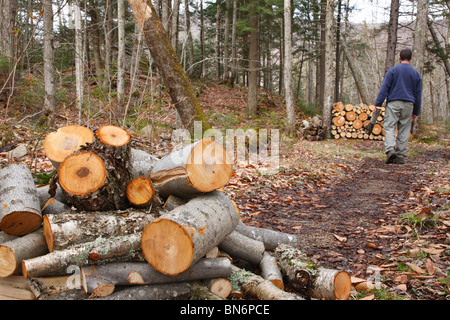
{"x":79,"y":58}
{"x":288,"y":66}
{"x":49,"y":68}
{"x":121,"y":54}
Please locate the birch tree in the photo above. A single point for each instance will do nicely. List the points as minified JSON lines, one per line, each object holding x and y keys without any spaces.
{"x":121,"y":54}
{"x":329,"y":66}
{"x":79,"y":58}
{"x":49,"y":59}
{"x":288,"y":67}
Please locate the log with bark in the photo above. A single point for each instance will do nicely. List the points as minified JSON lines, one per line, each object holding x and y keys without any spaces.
{"x":13,"y":252}
{"x":242,"y":247}
{"x":100,"y":251}
{"x":255,"y":286}
{"x":179,"y":238}
{"x":141,"y":163}
{"x":64,"y":230}
{"x":312,"y":129}
{"x":66,"y":140}
{"x":309,"y":279}
{"x":20,"y":209}
{"x":198,"y":168}
{"x":270,"y":238}
{"x":101,"y":280}
{"x":95,"y":177}
{"x":271,"y":271}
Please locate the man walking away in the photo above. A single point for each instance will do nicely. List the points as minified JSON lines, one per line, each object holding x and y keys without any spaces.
{"x":402,"y":86}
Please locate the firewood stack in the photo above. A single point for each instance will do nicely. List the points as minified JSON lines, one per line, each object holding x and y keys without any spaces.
{"x":349,"y":121}
{"x":116,"y":222}
{"x":312,"y":129}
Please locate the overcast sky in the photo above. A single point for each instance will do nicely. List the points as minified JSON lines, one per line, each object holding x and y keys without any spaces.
{"x":370,"y":11}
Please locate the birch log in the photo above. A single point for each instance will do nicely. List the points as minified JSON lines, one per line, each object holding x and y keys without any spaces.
{"x":179,"y":238}
{"x":13,"y":252}
{"x":257,"y":287}
{"x":242,"y":247}
{"x":20,"y":209}
{"x":102,"y":250}
{"x":104,"y":278}
{"x":200,"y":167}
{"x":310,"y":279}
{"x":64,"y":230}
{"x":271,"y":271}
{"x":270,"y":238}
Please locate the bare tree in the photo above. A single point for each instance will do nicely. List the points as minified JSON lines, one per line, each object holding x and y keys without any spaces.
{"x":49,"y":60}
{"x":79,"y":58}
{"x":420,"y":35}
{"x":253,"y":65}
{"x":288,"y":94}
{"x":121,"y":54}
{"x":392,"y":35}
{"x":329,"y":65}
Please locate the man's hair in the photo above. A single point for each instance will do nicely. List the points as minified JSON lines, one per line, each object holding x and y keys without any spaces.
{"x":406,"y":54}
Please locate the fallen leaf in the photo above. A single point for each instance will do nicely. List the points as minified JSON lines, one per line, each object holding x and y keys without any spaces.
{"x":401,"y":278}
{"x":341,"y":239}
{"x":371,"y":297}
{"x":360,"y":251}
{"x":402,"y":287}
{"x":296,"y":227}
{"x":415,"y":268}
{"x":373,"y":246}
{"x":430,"y":266}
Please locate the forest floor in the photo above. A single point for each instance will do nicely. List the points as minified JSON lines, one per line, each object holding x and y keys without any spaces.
{"x":389,"y":224}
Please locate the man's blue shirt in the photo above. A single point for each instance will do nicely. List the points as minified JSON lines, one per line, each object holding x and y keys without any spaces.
{"x":402,"y":82}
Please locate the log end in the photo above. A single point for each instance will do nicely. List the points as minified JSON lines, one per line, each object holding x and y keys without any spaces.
{"x":20,"y":223}
{"x":81,"y":173}
{"x":140,"y":191}
{"x":278,"y":283}
{"x":167,"y":246}
{"x":7,"y":261}
{"x":343,"y":285}
{"x":209,"y":167}
{"x":221,"y":287}
{"x":113,"y":135}
{"x":48,"y":234}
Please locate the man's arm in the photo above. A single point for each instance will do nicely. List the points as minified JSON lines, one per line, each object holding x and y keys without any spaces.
{"x":418,"y":103}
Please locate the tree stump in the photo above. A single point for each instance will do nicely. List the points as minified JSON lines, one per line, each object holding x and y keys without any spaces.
{"x":179,"y":238}
{"x":20,"y":208}
{"x":200,"y":167}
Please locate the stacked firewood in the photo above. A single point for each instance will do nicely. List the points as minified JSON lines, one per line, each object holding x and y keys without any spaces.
{"x":119,"y":223}
{"x":349,"y":121}
{"x":312,"y":129}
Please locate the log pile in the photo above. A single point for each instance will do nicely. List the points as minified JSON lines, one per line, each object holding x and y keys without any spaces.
{"x":349,"y":121}
{"x":127,"y":225}
{"x":312,"y":129}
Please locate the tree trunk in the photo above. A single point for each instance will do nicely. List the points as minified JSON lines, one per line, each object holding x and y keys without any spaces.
{"x":79,"y":59}
{"x":253,"y":65}
{"x":97,"y":278}
{"x":179,"y":238}
{"x":200,"y":167}
{"x":64,"y":230}
{"x":171,"y":291}
{"x":257,"y":287}
{"x":94,"y":28}
{"x":270,"y":238}
{"x":121,"y":55}
{"x":329,"y":66}
{"x":64,"y":141}
{"x":226,"y":49}
{"x":170,"y":69}
{"x":392,"y":35}
{"x":190,"y":41}
{"x":233,"y":45}
{"x":420,"y":36}
{"x":49,"y":59}
{"x":20,"y":210}
{"x":290,"y":111}
{"x":242,"y":247}
{"x":356,"y":77}
{"x":309,"y":278}
{"x":96,"y":177}
{"x":217,"y":45}
{"x":124,"y":248}
{"x":13,"y":252}
{"x":174,"y":24}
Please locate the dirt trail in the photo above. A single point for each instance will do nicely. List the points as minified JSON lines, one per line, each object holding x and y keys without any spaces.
{"x":353,"y":222}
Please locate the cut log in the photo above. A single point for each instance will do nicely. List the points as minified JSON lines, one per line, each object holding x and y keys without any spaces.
{"x":66,"y":140}
{"x":179,"y":238}
{"x":257,"y":287}
{"x":201,"y":167}
{"x":357,"y":124}
{"x":377,"y":129}
{"x":348,"y":107}
{"x":172,"y":202}
{"x":64,"y":230}
{"x":171,"y":291}
{"x":20,"y":209}
{"x":140,"y":192}
{"x":4,"y":237}
{"x":270,"y":270}
{"x":351,"y":115}
{"x":96,"y":178}
{"x":113,"y":136}
{"x":308,"y":278}
{"x":239,"y":246}
{"x":102,"y":250}
{"x":219,"y":286}
{"x":46,"y":286}
{"x":338,"y":106}
{"x":363,"y":116}
{"x":270,"y":238}
{"x":13,"y":252}
{"x":44,"y":194}
{"x":96,"y":279}
{"x":141,"y":163}
{"x":15,"y":288}
{"x":339,"y":121}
